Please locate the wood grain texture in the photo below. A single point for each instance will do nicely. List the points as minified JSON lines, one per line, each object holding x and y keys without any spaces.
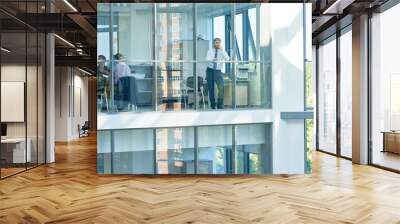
{"x":70,"y":191}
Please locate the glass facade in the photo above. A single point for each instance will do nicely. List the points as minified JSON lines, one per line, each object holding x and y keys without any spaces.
{"x":186,"y":150}
{"x":327,"y":96}
{"x":346,"y":93}
{"x":385,"y":90}
{"x":156,"y":70}
{"x":22,"y":76}
{"x":196,"y":82}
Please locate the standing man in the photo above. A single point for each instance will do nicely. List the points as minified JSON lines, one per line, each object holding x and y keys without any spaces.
{"x":216,"y":57}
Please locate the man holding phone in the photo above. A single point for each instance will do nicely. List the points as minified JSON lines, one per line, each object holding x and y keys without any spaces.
{"x":214,"y":76}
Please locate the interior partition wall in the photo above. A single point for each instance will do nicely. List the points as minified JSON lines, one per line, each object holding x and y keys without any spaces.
{"x":22,"y":76}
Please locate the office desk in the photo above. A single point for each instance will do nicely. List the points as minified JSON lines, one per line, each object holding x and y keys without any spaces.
{"x":13,"y":150}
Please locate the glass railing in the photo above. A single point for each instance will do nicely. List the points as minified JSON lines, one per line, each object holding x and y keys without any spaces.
{"x":137,"y":86}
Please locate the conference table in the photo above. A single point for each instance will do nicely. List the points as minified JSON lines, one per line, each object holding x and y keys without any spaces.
{"x":13,"y":150}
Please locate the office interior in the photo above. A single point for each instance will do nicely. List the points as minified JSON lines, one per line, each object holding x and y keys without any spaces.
{"x":37,"y":84}
{"x":335,"y":67}
{"x":147,"y":89}
{"x":23,"y":53}
{"x":172,"y":46}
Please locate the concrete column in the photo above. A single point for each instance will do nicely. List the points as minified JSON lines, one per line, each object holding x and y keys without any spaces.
{"x":360,"y":90}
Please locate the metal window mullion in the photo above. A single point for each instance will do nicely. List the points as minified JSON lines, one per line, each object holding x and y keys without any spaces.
{"x":305,"y":83}
{"x":112,"y":147}
{"x":316,"y":124}
{"x":233,"y":152}
{"x":155,"y":150}
{"x":196,"y":98}
{"x":369,"y":89}
{"x":26,"y":90}
{"x":196,"y":149}
{"x":111,"y":48}
{"x":233,"y":52}
{"x":338,"y":81}
{"x":246,"y":33}
{"x":154,"y":57}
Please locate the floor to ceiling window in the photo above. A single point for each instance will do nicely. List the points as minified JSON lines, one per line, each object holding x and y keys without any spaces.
{"x":385,"y":89}
{"x":327,"y":95}
{"x":346,"y":92}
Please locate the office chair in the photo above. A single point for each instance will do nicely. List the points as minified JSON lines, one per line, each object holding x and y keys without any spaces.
{"x":200,"y":87}
{"x":84,"y":130}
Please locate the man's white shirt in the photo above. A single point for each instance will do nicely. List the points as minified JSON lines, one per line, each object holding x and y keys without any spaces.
{"x":222,"y":56}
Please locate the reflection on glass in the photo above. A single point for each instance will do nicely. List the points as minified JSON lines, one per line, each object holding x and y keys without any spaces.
{"x":174,"y":86}
{"x":174,"y":41}
{"x":251,"y":84}
{"x":104,"y":152}
{"x":15,"y":147}
{"x":175,"y":150}
{"x":385,"y":85}
{"x":32,"y":100}
{"x":160,"y":62}
{"x":133,"y":151}
{"x":215,"y":149}
{"x":214,"y":87}
{"x":346,"y":94}
{"x":252,"y":155}
{"x":327,"y":96}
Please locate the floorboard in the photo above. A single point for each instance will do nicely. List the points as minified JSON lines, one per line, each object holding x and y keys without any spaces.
{"x":70,"y":191}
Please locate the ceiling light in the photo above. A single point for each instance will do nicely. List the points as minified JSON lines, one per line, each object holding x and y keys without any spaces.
{"x":64,"y":40}
{"x":5,"y":50}
{"x":337,"y":7}
{"x":70,"y":5}
{"x":84,"y":71}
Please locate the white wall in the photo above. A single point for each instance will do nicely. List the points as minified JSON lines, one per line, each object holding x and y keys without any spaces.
{"x":288,"y":86}
{"x":70,"y":84}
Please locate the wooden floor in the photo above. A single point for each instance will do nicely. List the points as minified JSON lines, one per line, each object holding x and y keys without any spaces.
{"x":70,"y":191}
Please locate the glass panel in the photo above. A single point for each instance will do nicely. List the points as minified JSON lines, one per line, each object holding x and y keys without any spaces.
{"x":175,"y":150}
{"x":251,"y":81}
{"x":327,"y":96}
{"x":104,"y":152}
{"x":174,"y":41}
{"x":32,"y":98}
{"x":133,"y":67}
{"x":252,"y":155}
{"x":41,"y":99}
{"x":175,"y":85}
{"x":214,"y":86}
{"x":215,"y":149}
{"x":309,"y":143}
{"x":213,"y":66}
{"x":14,"y":153}
{"x":239,"y":37}
{"x":385,"y":85}
{"x":104,"y":58}
{"x":133,"y":151}
{"x":346,"y":94}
